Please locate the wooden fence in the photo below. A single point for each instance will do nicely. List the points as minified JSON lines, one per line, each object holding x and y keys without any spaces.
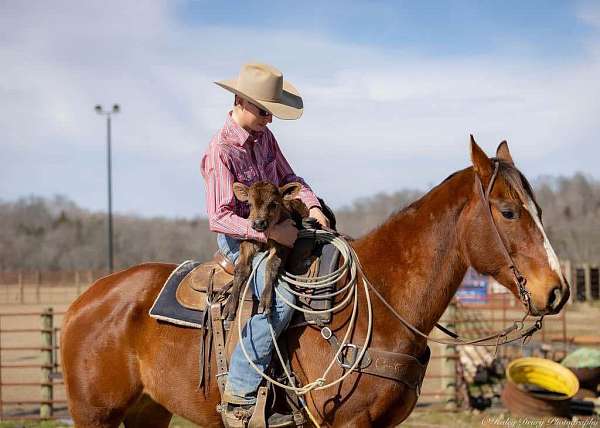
{"x":585,"y":281}
{"x":44,"y":287}
{"x":31,"y":385}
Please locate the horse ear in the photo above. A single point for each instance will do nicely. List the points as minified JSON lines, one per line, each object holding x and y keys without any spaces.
{"x":240,"y":191}
{"x":290,"y":190}
{"x":503,"y":153}
{"x":482,"y":165}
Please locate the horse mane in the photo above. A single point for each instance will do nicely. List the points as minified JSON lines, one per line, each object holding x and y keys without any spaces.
{"x":518,"y":186}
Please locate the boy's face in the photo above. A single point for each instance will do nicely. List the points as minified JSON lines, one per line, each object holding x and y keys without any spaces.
{"x":252,"y":117}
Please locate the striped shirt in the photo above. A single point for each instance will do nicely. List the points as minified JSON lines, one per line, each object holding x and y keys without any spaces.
{"x":235,"y":155}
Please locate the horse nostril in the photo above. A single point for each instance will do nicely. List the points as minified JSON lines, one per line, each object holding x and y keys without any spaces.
{"x":555,"y":297}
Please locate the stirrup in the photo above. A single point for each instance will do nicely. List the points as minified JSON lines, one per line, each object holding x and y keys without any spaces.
{"x":254,"y":416}
{"x":275,"y":420}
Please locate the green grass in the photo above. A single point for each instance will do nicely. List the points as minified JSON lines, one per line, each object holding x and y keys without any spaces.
{"x":32,"y":424}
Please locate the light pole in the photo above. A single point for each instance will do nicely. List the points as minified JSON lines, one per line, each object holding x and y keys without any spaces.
{"x":99,"y":110}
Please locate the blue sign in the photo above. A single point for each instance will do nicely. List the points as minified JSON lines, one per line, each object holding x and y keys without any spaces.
{"x":474,"y":288}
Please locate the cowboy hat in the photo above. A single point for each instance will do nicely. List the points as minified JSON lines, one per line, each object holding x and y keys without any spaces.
{"x":264,"y":86}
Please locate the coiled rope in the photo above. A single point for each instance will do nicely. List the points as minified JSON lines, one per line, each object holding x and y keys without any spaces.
{"x":306,"y":285}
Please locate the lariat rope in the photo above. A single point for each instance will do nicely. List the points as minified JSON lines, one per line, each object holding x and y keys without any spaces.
{"x":349,"y":264}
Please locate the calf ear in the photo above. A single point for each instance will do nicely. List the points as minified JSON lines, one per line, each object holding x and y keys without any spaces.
{"x":290,"y":190}
{"x":240,"y":191}
{"x":482,"y":165}
{"x":503,"y":153}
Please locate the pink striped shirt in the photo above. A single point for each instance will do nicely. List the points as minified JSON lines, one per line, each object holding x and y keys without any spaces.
{"x":235,"y":155}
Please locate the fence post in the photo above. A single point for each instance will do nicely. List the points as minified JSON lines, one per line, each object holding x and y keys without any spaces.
{"x":450,"y":353}
{"x":1,"y":398}
{"x":77,"y":283}
{"x":47,"y":363}
{"x":21,"y":288}
{"x":38,"y":285}
{"x":587,"y":278}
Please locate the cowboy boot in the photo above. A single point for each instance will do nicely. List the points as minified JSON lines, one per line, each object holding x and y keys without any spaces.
{"x":242,"y":416}
{"x":254,"y":415}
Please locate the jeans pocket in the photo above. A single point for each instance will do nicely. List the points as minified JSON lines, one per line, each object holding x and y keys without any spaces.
{"x":228,"y":246}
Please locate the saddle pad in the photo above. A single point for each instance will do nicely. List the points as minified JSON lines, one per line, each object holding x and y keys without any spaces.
{"x":166,"y":308}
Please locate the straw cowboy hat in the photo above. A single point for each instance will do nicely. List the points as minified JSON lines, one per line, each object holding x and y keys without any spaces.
{"x":264,"y":86}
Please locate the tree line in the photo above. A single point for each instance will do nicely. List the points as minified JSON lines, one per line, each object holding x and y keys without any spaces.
{"x":56,"y":234}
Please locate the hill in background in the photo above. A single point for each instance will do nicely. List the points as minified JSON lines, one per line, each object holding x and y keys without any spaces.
{"x":56,"y":234}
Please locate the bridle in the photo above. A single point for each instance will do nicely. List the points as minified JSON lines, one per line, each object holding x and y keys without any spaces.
{"x":502,"y":336}
{"x":520,"y":280}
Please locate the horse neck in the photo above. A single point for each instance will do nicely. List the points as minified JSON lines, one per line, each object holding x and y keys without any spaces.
{"x":414,"y":258}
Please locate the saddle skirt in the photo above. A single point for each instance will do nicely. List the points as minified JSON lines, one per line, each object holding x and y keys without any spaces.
{"x":214,"y":276}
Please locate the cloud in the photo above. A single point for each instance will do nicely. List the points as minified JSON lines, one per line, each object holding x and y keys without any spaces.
{"x":390,"y":116}
{"x":589,"y":13}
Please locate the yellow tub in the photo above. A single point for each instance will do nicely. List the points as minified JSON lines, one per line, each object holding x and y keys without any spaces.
{"x":545,"y":374}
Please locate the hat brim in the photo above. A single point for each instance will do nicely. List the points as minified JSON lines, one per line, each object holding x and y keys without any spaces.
{"x":290,"y":106}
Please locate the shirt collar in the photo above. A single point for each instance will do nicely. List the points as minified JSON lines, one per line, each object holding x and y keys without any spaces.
{"x":237,"y":135}
{"x":234,"y":133}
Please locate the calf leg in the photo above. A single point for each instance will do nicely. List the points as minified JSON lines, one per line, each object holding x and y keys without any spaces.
{"x":271,"y":271}
{"x":243,"y":268}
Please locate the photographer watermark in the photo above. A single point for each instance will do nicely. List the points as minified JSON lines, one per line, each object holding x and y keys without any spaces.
{"x":516,"y":421}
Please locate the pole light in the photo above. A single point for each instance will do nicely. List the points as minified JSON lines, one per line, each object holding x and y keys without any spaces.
{"x":115,"y":109}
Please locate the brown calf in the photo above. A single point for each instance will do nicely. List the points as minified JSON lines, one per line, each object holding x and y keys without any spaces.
{"x":269,"y":205}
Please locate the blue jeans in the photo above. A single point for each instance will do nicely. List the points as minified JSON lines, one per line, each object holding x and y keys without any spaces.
{"x":243,"y":380}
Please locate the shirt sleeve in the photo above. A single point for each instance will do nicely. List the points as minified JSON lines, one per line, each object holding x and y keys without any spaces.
{"x":287,"y":175}
{"x":220,"y":200}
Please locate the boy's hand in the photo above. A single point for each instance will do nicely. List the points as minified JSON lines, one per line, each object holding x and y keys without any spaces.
{"x":285,"y":233}
{"x":317,"y":214}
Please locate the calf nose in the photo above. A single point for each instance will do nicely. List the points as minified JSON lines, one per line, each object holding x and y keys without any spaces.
{"x":259,"y":225}
{"x":555,"y":298}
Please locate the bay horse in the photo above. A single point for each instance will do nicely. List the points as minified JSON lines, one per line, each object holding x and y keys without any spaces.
{"x":120,"y":365}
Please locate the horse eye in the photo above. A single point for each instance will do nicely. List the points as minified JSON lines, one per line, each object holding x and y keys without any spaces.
{"x":508,"y":214}
{"x":273,"y":205}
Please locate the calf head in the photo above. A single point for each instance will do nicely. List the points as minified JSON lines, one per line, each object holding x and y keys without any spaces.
{"x":267,"y":202}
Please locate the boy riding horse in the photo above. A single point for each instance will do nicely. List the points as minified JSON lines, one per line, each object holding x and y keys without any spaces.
{"x":245,"y":150}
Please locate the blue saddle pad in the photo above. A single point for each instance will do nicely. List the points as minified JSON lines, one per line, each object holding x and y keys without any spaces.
{"x":167,"y":308}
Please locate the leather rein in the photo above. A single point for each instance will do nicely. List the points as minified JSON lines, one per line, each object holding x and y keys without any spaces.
{"x":501,"y":337}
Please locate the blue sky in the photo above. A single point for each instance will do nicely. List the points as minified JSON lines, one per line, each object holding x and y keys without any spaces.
{"x":391,"y":91}
{"x":426,"y":27}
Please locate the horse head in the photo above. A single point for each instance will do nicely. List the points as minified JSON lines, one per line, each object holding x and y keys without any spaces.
{"x":519,"y":255}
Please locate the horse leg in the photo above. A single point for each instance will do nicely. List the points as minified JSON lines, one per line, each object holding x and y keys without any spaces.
{"x":90,"y":410}
{"x":147,"y":413}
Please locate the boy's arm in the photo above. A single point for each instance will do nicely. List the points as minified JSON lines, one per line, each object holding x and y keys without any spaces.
{"x":220,"y":200}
